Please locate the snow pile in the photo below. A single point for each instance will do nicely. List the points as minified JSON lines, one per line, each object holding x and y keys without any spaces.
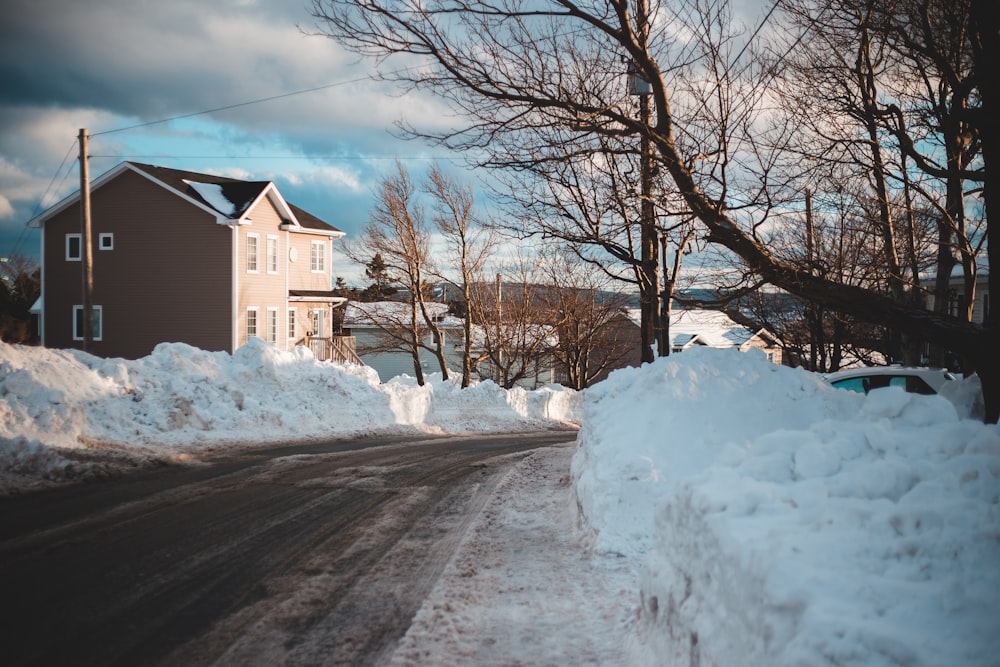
{"x":181,"y":400}
{"x":782,"y":522}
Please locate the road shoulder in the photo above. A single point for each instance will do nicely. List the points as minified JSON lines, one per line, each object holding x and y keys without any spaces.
{"x":523,"y":588}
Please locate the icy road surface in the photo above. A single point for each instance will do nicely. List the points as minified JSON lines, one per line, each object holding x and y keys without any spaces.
{"x":316,"y":556}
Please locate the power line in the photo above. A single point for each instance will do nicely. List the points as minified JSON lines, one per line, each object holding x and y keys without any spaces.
{"x":38,"y":207}
{"x":279,"y":157}
{"x":247,"y":103}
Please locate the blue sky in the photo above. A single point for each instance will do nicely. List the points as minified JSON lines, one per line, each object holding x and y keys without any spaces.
{"x":115,"y":66}
{"x":118,"y":67}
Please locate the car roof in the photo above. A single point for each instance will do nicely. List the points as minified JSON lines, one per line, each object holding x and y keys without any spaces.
{"x":934,"y":376}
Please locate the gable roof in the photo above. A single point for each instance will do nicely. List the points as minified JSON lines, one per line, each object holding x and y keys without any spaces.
{"x":228,"y":196}
{"x":229,"y":199}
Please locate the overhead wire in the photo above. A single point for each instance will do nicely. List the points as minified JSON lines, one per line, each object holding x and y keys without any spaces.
{"x":16,"y":249}
{"x":237,"y":105}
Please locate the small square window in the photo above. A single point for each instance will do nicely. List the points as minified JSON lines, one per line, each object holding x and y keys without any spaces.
{"x":74,"y":247}
{"x":106,"y":241}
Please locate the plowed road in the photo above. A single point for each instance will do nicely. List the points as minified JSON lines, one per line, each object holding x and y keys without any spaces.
{"x":303,"y":555}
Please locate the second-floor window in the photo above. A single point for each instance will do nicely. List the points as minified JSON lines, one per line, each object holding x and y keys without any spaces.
{"x":317,"y":257}
{"x":74,"y":248}
{"x":272,"y":254}
{"x":252,"y":242}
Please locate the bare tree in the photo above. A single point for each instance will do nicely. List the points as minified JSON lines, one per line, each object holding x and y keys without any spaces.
{"x":512,"y":69}
{"x":883,"y":86}
{"x":592,"y":340}
{"x":397,"y":233}
{"x":468,"y":244}
{"x":20,"y":287}
{"x":515,"y":328}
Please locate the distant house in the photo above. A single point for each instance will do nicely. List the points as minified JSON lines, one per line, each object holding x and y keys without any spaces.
{"x":180,"y":256}
{"x":367,"y":323}
{"x":958,"y":299}
{"x":714,"y":328}
{"x":372,"y":325}
{"x":711,"y":328}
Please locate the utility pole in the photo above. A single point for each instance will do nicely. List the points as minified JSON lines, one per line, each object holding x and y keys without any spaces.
{"x":665,"y":298}
{"x":86,"y":247}
{"x":650,"y":326}
{"x":501,"y":339}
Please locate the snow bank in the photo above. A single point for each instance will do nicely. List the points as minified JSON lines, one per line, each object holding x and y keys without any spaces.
{"x":180,"y":400}
{"x":782,"y":522}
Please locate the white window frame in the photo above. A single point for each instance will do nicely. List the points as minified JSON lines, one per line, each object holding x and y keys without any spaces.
{"x":272,"y":254}
{"x":271,"y":325}
{"x":317,"y":256}
{"x":292,"y":316}
{"x":79,"y":247}
{"x":253,"y":256}
{"x":106,"y":236}
{"x":97,"y":323}
{"x":252,"y":312}
{"x":317,"y":322}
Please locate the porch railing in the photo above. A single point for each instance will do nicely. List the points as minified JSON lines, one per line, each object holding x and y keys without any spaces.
{"x":342,"y":349}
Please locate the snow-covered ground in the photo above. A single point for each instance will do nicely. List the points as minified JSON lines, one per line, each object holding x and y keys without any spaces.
{"x":719,"y":510}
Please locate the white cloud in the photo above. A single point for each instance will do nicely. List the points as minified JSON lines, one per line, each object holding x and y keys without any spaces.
{"x":6,"y":210}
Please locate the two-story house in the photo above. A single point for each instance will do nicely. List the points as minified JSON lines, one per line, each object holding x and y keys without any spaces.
{"x":179,"y":256}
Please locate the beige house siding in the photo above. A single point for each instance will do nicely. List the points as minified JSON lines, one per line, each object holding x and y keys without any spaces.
{"x":147,"y":282}
{"x":261,"y":289}
{"x":301,"y":275}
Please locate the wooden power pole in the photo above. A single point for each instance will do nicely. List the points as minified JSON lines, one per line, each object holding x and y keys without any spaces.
{"x":86,"y":247}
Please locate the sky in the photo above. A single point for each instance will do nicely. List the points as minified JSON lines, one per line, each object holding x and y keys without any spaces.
{"x":116,"y":67}
{"x":715,"y":509}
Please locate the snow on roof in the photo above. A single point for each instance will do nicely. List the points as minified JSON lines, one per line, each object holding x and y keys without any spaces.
{"x":712,"y":327}
{"x":214,"y":197}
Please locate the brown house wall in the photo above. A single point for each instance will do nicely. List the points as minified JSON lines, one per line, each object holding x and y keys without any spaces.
{"x":167,"y":278}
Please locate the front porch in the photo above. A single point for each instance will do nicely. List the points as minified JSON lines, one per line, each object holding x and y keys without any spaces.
{"x":341,"y":349}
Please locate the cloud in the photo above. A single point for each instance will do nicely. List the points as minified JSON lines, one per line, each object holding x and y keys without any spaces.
{"x":6,"y":210}
{"x":116,"y":67}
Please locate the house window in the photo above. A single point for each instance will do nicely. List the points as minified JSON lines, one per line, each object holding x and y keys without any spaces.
{"x":317,"y":257}
{"x":272,"y":325}
{"x":956,"y":303}
{"x":252,"y":242}
{"x":291,"y":323}
{"x":272,"y":254}
{"x":316,"y":323}
{"x":251,"y":323}
{"x":74,"y":248}
{"x":97,"y":326}
{"x":106,"y":241}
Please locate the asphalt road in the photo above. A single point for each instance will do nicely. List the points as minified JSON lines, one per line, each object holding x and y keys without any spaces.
{"x":313,"y":554}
